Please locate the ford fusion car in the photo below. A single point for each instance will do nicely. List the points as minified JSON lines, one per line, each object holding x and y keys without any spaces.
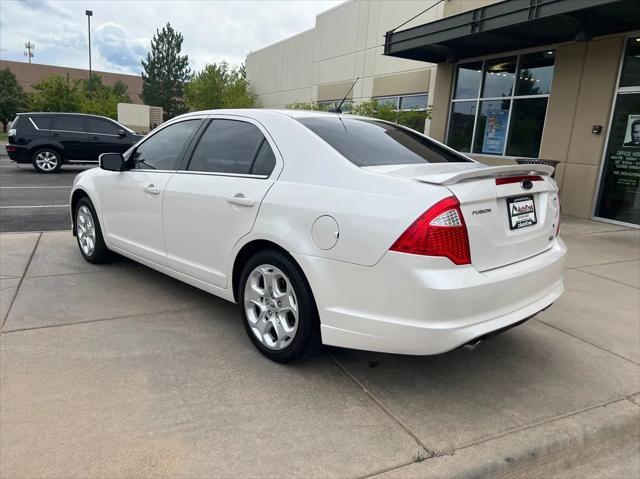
{"x":328,"y":228}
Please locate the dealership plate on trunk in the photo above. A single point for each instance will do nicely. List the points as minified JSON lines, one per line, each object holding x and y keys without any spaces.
{"x":522,"y":211}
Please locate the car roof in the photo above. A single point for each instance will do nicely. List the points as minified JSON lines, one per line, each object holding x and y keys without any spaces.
{"x":49,"y":113}
{"x":263,"y":113}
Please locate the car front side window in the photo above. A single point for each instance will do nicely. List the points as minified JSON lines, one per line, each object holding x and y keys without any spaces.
{"x":102,"y":127}
{"x":162,"y":150}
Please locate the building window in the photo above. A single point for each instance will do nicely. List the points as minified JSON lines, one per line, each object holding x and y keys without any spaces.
{"x":499,"y":105}
{"x":403,"y":105}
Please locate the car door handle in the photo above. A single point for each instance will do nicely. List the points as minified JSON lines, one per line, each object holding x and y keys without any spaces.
{"x":152,"y":190}
{"x":240,"y":200}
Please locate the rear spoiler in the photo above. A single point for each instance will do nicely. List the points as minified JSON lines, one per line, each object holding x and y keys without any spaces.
{"x":486,"y":172}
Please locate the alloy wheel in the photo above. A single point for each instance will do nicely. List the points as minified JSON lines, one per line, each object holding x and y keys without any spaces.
{"x":46,"y":160}
{"x":271,"y":306}
{"x":86,"y":230}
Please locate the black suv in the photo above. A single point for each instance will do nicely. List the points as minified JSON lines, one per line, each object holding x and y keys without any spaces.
{"x":47,"y":140}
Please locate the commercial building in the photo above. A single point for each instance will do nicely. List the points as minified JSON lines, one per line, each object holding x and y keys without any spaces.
{"x":29,"y":73}
{"x":551,"y":79}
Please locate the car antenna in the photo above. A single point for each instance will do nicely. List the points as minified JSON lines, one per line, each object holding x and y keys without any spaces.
{"x":338,"y":109}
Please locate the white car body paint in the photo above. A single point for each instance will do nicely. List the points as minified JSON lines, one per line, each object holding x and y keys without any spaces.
{"x":367,"y":296}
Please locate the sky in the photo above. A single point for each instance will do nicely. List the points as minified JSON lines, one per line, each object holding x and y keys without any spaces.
{"x":121,"y":30}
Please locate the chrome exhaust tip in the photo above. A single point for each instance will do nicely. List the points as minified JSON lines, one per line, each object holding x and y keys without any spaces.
{"x":471,"y":345}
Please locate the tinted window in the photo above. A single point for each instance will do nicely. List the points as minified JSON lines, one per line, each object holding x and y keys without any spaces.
{"x":499,"y":77}
{"x":265,"y":161}
{"x":42,"y":122}
{"x":468,"y":80}
{"x":105,"y":127}
{"x":463,"y":115}
{"x":536,"y":73}
{"x":161,"y":150}
{"x":631,"y":66}
{"x":527,"y":121}
{"x":68,"y":123}
{"x":227,"y":146}
{"x":370,"y":142}
{"x":491,"y":128}
{"x":415,"y":102}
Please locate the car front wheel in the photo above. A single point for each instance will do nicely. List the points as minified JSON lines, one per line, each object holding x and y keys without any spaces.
{"x":46,"y":161}
{"x":89,"y":234}
{"x":278,"y":308}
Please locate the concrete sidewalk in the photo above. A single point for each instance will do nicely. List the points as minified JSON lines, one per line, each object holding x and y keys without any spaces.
{"x":121,"y":371}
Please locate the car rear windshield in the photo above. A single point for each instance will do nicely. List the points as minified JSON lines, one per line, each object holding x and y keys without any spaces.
{"x":371,"y":142}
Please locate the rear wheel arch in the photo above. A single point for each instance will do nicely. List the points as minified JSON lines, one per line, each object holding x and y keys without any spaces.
{"x":246,"y":252}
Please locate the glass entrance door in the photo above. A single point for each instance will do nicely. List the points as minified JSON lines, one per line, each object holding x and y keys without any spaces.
{"x":619,"y":192}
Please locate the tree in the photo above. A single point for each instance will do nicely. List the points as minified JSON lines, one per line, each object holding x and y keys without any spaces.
{"x":100,"y":99}
{"x":56,"y":93}
{"x":12,"y":97}
{"x":165,"y":72}
{"x":312,"y":106}
{"x":61,"y":94}
{"x":414,"y":119}
{"x":219,"y":86}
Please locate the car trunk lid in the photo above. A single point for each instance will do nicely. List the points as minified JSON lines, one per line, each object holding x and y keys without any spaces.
{"x":511,"y":211}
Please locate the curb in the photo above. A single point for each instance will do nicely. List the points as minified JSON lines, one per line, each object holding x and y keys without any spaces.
{"x":572,"y":436}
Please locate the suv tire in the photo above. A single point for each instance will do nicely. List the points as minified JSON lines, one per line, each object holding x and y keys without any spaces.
{"x":46,"y":160}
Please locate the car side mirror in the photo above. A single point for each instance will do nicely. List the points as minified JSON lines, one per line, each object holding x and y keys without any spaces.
{"x":111,"y":161}
{"x":122,"y":133}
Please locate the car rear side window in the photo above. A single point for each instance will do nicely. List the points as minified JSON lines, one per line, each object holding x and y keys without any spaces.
{"x":68,"y":123}
{"x":103,"y":127}
{"x":372,"y":143}
{"x":162,"y":149}
{"x":232,"y":146}
{"x":42,"y":122}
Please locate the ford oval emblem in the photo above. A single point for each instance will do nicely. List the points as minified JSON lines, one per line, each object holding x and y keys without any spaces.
{"x":526,"y":184}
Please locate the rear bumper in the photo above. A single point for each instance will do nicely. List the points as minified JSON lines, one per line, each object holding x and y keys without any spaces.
{"x":423,"y":305}
{"x":18,"y":153}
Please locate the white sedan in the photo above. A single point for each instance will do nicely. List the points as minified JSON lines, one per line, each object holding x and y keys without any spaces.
{"x":329,"y":228}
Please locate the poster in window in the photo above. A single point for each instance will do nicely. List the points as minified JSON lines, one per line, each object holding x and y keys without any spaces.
{"x":632,"y":135}
{"x":495,"y":131}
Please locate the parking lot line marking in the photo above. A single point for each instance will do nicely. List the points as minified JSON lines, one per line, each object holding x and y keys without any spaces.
{"x":33,"y":206}
{"x":20,"y":187}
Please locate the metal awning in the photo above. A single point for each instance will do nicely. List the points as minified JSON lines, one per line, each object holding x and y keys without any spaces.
{"x":512,"y":25}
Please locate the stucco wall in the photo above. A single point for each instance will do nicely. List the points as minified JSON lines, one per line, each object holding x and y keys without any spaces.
{"x":346,"y":43}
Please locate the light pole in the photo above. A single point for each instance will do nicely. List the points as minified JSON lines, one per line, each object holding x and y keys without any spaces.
{"x":89,"y":14}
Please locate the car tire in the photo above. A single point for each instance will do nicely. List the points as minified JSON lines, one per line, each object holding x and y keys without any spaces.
{"x":46,"y":160}
{"x":89,"y":234}
{"x":278,"y":310}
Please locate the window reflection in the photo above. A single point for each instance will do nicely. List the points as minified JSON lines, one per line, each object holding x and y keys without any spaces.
{"x":535,"y":74}
{"x":468,"y":80}
{"x":499,"y":77}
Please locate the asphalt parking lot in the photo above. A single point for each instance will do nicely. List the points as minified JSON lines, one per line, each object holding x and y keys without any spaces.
{"x":120,"y":371}
{"x":30,"y":201}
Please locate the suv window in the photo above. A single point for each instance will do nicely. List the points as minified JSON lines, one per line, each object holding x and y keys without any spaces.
{"x":231,"y":146}
{"x":371,"y":142}
{"x":161,"y":150}
{"x":101,"y":126}
{"x":68,"y":123}
{"x":42,"y":122}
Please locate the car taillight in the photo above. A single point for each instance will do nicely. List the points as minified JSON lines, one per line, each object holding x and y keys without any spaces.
{"x":439,"y":231}
{"x":11,"y":148}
